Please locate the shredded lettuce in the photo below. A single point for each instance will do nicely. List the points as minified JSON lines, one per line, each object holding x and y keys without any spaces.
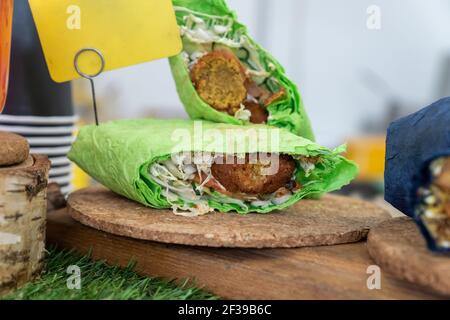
{"x":175,"y":176}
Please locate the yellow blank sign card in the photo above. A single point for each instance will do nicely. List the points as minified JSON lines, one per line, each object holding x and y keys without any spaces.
{"x":126,"y":32}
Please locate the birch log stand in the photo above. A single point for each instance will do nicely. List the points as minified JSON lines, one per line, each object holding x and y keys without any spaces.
{"x":23,"y":206}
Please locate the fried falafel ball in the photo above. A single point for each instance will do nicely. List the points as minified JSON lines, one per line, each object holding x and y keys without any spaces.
{"x":249,"y":178}
{"x":219,"y":79}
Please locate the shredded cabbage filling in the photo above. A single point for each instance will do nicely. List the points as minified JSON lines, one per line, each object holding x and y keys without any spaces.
{"x":434,"y":205}
{"x":203,"y":33}
{"x":188,"y":184}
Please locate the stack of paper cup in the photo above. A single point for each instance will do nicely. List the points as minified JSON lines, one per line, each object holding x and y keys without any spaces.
{"x":50,"y":136}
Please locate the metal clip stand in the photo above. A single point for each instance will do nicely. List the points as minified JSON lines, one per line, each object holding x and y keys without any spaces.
{"x":90,"y":77}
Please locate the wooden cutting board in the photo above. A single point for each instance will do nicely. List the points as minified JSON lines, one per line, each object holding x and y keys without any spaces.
{"x":326,"y":272}
{"x":398,"y":246}
{"x":331,"y":220}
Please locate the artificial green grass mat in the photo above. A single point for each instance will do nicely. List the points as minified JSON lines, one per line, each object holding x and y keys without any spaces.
{"x":100,"y":281}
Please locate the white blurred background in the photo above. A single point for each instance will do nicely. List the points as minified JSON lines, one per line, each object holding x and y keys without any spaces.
{"x":353,"y":79}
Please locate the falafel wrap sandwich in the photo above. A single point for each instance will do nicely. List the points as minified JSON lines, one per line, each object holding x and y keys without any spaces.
{"x":195,"y":167}
{"x":223,"y":75}
{"x":417,"y":175}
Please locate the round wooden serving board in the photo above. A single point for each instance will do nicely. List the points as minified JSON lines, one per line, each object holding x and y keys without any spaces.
{"x":331,"y":220}
{"x":399,"y":248}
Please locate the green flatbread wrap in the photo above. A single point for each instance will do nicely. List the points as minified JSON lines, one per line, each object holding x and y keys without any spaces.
{"x":209,"y":26}
{"x":148,"y":161}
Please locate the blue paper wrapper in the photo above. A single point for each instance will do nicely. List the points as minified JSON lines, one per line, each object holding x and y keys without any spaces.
{"x":413,"y":143}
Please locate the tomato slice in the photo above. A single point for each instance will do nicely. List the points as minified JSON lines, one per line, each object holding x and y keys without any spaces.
{"x":6,"y":15}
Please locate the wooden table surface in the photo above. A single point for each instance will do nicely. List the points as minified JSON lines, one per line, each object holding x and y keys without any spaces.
{"x":329,"y":272}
